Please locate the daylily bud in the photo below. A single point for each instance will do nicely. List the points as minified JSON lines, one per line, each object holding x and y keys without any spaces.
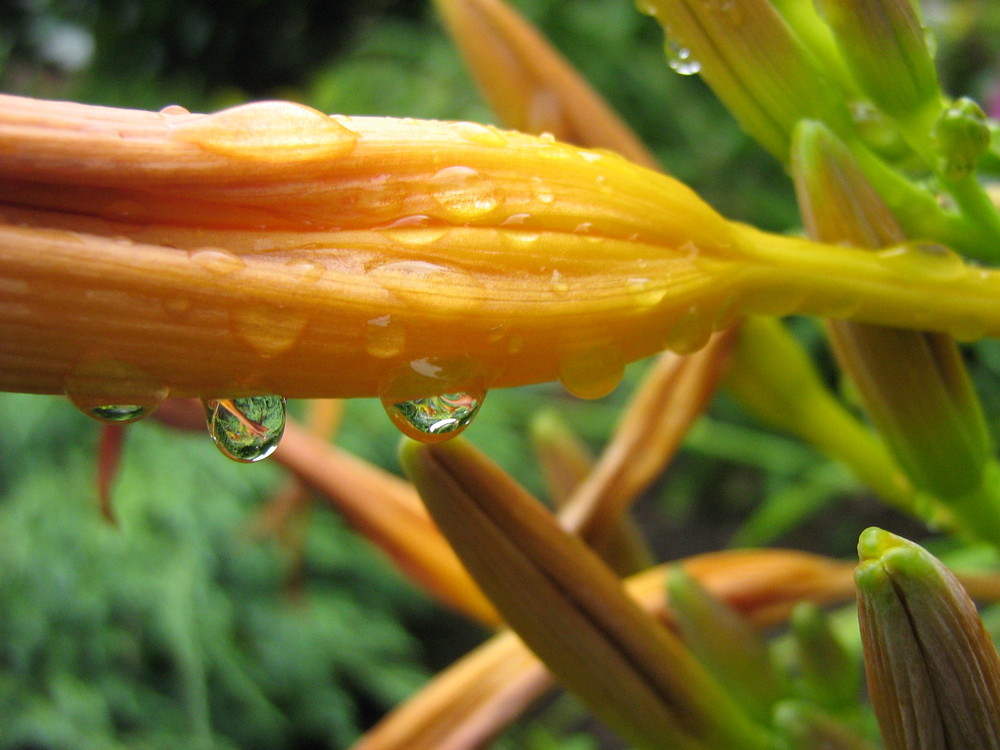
{"x":933,"y":672}
{"x":831,"y":678}
{"x":527,"y":82}
{"x":314,"y":256}
{"x":913,"y":385}
{"x":732,"y":649}
{"x":778,"y":383}
{"x":962,"y":135}
{"x":755,"y":63}
{"x":885,"y":47}
{"x":547,"y":584}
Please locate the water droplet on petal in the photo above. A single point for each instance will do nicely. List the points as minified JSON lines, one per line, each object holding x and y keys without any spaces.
{"x":308,"y":271}
{"x":111,"y":391}
{"x":679,"y":58}
{"x":217,"y":260}
{"x":434,"y":418}
{"x":925,"y":259}
{"x":246,"y":429}
{"x":592,"y":372}
{"x":269,"y":131}
{"x":464,"y":193}
{"x":268,"y":328}
{"x":384,"y":337}
{"x":119,"y":413}
{"x":542,"y":192}
{"x":484,"y":135}
{"x":174,"y":109}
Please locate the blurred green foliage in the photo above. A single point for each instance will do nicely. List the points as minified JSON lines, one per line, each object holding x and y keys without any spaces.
{"x":176,"y":628}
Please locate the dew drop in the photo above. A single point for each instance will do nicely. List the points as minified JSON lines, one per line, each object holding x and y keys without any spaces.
{"x":269,"y":131}
{"x":174,"y":109}
{"x":464,"y":193}
{"x":646,"y":7}
{"x":592,"y":372}
{"x":246,"y":429}
{"x":435,"y":418}
{"x":119,"y":413}
{"x":384,"y":337}
{"x":645,"y":292}
{"x":542,"y":192}
{"x":925,"y":259}
{"x":483,"y":135}
{"x":679,"y":58}
{"x":428,"y":284}
{"x":690,"y":332}
{"x":268,"y":328}
{"x":110,"y":391}
{"x":417,"y":229}
{"x":308,"y":271}
{"x":217,"y":261}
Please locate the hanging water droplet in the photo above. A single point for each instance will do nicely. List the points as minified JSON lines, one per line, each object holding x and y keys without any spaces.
{"x":112,"y":391}
{"x":118,"y":413}
{"x":246,"y":429}
{"x":592,"y":372}
{"x":679,"y":58}
{"x":434,"y":418}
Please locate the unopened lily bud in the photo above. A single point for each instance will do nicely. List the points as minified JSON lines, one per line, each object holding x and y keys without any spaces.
{"x":756,"y":64}
{"x":962,"y":135}
{"x":913,"y":385}
{"x":885,"y":47}
{"x":732,"y":649}
{"x":831,"y":678}
{"x":933,"y":673}
{"x":310,"y":255}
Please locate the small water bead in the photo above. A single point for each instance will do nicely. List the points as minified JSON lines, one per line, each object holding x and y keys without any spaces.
{"x":174,"y":109}
{"x":268,"y":131}
{"x":246,"y":429}
{"x":926,"y":259}
{"x":679,"y":58}
{"x":216,"y":260}
{"x":268,"y":328}
{"x":592,"y":372}
{"x":435,"y":418}
{"x":111,"y":391}
{"x":464,"y":193}
{"x":308,"y":271}
{"x":542,"y":192}
{"x":384,"y":337}
{"x":118,"y":413}
{"x":428,"y":284}
{"x":483,"y":135}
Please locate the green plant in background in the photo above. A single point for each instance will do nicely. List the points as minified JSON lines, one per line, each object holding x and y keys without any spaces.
{"x":499,"y":259}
